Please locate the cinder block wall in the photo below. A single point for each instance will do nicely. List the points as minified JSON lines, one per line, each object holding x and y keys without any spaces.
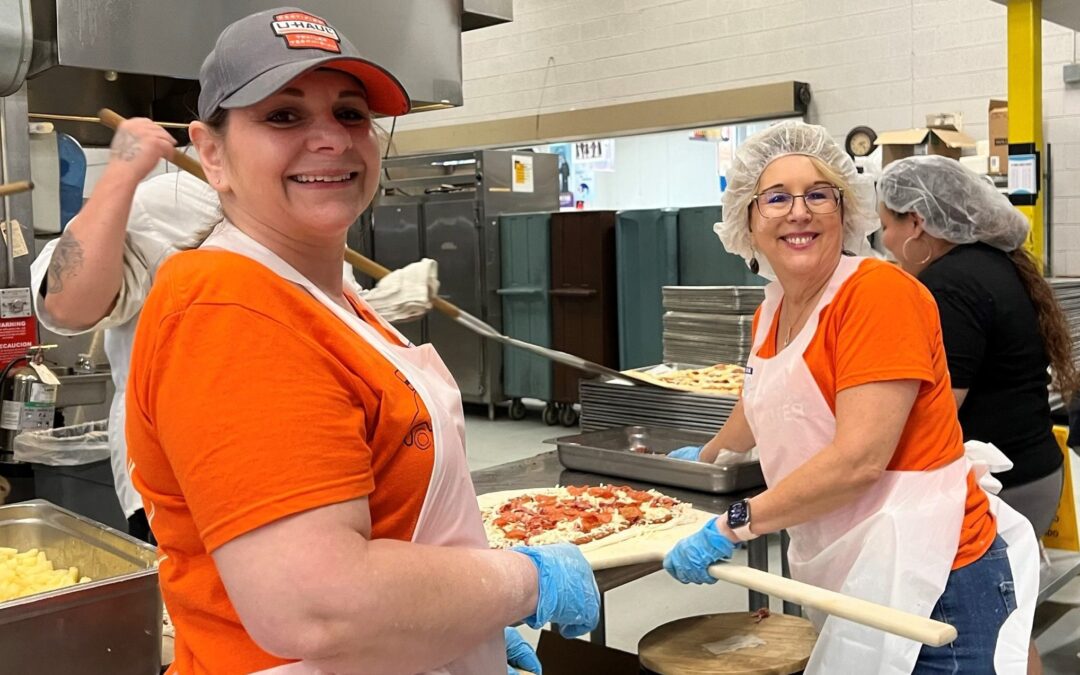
{"x":884,"y":63}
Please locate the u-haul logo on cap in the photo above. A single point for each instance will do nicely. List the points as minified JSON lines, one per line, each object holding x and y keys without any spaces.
{"x":306,"y":31}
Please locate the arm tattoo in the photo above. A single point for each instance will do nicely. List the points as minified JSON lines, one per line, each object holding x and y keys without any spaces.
{"x":67,"y":261}
{"x":124,"y":146}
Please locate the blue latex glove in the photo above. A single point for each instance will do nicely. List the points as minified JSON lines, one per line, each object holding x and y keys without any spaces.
{"x":520,"y":654}
{"x":690,"y":453}
{"x":568,"y":595}
{"x":690,"y":559}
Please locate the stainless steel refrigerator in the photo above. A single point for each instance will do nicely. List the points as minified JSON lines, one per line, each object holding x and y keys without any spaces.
{"x":446,"y":207}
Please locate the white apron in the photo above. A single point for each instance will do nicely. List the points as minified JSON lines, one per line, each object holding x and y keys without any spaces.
{"x":450,"y":515}
{"x":895,"y":545}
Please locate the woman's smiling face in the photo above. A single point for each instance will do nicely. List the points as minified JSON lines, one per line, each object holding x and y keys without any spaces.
{"x":305,"y":159}
{"x":802,"y":242}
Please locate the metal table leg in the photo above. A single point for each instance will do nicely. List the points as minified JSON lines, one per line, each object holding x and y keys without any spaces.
{"x":785,"y":541}
{"x":599,"y":634}
{"x":757,"y":553}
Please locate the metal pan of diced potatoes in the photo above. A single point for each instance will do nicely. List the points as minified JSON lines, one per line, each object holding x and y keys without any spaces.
{"x":24,"y":573}
{"x":65,"y":575}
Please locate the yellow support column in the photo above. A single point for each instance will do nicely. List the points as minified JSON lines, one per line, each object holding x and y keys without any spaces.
{"x":1025,"y":103}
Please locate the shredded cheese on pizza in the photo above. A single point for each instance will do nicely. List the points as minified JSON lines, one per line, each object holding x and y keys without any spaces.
{"x":577,"y":515}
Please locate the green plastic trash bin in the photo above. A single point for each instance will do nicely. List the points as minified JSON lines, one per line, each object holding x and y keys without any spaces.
{"x":647,"y":259}
{"x":526,"y":277}
{"x":702,"y":258}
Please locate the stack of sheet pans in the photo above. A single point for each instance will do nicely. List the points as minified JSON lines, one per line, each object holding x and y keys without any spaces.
{"x":1067,"y":292}
{"x":616,"y":403}
{"x":709,"y":324}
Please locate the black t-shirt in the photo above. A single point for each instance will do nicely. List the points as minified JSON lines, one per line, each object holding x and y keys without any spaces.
{"x":995,"y":351}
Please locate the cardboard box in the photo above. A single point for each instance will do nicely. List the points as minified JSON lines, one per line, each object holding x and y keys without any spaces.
{"x":999,"y":137}
{"x":900,"y":144}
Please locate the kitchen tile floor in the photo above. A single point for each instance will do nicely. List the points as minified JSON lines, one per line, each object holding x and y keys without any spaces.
{"x":640,"y":606}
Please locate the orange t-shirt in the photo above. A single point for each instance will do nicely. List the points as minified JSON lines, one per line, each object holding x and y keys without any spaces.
{"x":883,"y":325}
{"x":248,"y":401}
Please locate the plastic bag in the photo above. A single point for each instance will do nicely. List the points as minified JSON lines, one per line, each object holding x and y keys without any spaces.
{"x":67,"y":446}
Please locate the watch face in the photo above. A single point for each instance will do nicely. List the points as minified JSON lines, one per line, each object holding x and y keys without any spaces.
{"x":738,"y":514}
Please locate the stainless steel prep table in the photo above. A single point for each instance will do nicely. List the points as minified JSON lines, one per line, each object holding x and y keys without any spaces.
{"x":544,"y":470}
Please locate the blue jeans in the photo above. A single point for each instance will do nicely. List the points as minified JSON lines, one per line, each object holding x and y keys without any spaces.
{"x":977,"y":600}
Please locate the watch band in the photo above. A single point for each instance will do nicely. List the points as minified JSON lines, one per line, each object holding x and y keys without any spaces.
{"x":744,"y":533}
{"x":739,"y":519}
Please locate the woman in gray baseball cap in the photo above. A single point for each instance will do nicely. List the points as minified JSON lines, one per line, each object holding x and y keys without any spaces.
{"x":301,"y":463}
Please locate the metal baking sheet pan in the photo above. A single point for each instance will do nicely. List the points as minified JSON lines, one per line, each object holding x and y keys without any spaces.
{"x":639,"y":453}
{"x":671,"y":392}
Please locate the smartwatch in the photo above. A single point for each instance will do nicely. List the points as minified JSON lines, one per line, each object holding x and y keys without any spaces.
{"x":738,"y":519}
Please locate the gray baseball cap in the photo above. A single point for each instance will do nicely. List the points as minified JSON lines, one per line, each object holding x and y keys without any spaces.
{"x":259,"y":54}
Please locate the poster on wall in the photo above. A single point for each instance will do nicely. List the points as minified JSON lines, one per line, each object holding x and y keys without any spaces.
{"x":595,"y":155}
{"x":523,"y":173}
{"x":583,"y":188}
{"x":563,"y":152}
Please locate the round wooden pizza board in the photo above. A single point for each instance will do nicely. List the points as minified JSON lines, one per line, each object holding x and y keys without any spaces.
{"x":650,"y":546}
{"x":683,"y":647}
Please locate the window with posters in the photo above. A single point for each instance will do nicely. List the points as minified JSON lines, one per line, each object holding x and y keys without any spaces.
{"x":668,"y":169}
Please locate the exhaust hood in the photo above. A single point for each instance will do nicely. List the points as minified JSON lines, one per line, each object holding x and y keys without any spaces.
{"x":142,"y":57}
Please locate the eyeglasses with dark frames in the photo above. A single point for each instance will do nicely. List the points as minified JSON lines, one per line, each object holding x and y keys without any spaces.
{"x":820,"y":200}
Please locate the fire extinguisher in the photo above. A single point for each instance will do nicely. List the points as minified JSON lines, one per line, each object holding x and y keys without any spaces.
{"x":29,"y":398}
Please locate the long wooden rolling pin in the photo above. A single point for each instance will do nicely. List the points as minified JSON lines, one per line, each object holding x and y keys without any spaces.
{"x":15,"y":188}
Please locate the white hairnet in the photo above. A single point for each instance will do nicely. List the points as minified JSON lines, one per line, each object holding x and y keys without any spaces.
{"x":956,"y":203}
{"x":792,"y":138}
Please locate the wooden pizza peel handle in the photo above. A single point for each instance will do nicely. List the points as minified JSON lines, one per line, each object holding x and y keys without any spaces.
{"x":15,"y":188}
{"x":926,"y":631}
{"x":654,"y":547}
{"x":377,"y":271}
{"x":113,"y":120}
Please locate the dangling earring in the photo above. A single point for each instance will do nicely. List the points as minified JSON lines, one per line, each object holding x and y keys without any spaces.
{"x":904,"y":255}
{"x":752,"y":263}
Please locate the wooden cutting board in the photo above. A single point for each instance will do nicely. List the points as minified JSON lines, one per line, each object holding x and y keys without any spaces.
{"x":713,"y":645}
{"x":650,"y":547}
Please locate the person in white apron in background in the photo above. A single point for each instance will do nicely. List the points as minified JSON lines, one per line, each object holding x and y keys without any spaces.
{"x":302,"y":465}
{"x":848,"y":400}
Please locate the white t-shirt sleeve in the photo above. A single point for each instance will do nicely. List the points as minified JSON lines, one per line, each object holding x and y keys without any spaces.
{"x":166,"y":213}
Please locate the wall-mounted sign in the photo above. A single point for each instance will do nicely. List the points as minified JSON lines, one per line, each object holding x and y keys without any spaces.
{"x":1023,"y":175}
{"x":523,"y":173}
{"x":597,"y":155}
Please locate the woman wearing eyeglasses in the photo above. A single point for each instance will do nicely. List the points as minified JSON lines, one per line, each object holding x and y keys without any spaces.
{"x":848,"y":400}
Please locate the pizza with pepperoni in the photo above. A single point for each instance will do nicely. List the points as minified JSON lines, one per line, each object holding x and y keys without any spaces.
{"x":582,"y":515}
